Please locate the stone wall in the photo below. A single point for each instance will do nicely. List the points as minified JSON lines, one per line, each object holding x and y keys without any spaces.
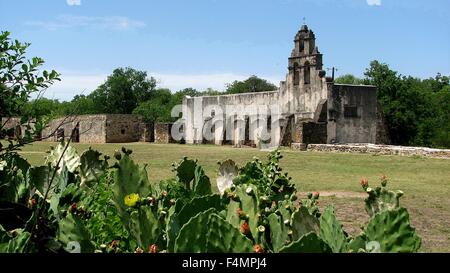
{"x":309,"y":132}
{"x":92,"y":129}
{"x":13,"y":127}
{"x":8,"y":123}
{"x":238,"y":108}
{"x":352,"y":114}
{"x":314,"y":133}
{"x":162,"y":133}
{"x":103,"y":128}
{"x":380,"y":149}
{"x":148,"y":132}
{"x":124,"y":128}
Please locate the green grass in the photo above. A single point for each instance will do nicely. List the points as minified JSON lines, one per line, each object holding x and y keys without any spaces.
{"x":425,"y":181}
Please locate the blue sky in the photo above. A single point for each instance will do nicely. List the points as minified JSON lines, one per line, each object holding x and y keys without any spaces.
{"x":207,"y":43}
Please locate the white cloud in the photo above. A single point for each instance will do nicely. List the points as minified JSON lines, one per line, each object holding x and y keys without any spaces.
{"x":374,"y":2}
{"x":72,"y":83}
{"x":73,"y":21}
{"x":73,"y":2}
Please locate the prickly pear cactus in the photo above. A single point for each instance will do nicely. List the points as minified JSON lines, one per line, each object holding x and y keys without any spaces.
{"x":311,"y":204}
{"x":249,"y":199}
{"x":192,"y":236}
{"x":279,"y":231}
{"x":91,"y":167}
{"x":57,"y":189}
{"x":73,"y":233}
{"x":189,"y":210}
{"x":39,"y":177}
{"x":4,"y":239}
{"x":185,"y":170}
{"x":202,"y":184}
{"x":308,"y":243}
{"x":207,"y":232}
{"x":393,"y":231}
{"x":380,"y":199}
{"x":331,"y":231}
{"x":285,"y":208}
{"x":357,"y":244}
{"x":14,"y":187}
{"x":129,"y":178}
{"x":13,"y":244}
{"x":225,"y":238}
{"x":227,"y":172}
{"x":302,"y":222}
{"x":232,"y":212}
{"x":144,"y":227}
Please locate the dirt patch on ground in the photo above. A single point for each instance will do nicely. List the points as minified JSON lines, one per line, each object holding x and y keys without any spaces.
{"x":337,"y":194}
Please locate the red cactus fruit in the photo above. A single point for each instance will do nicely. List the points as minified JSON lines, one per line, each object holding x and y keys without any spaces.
{"x":153,"y":249}
{"x":258,"y":249}
{"x":364,"y":183}
{"x":114,"y":244}
{"x":245,"y":228}
{"x":73,"y":207}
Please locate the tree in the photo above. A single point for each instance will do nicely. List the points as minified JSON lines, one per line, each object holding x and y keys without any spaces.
{"x":158,"y":108}
{"x":252,"y":84}
{"x":349,"y":79}
{"x":80,"y":104}
{"x":42,"y":107}
{"x":211,"y":92}
{"x":416,"y":111}
{"x":123,"y":91}
{"x":19,"y":78}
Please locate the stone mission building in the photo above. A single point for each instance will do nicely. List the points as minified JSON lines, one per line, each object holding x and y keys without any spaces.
{"x":310,"y":108}
{"x":102,"y":128}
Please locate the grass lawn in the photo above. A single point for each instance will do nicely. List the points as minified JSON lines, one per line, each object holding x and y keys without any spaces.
{"x":425,"y":181}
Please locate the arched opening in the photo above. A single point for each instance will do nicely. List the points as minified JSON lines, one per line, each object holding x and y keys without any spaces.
{"x":247,"y":131}
{"x":307,"y":73}
{"x":76,"y":134}
{"x":296,"y":74}
{"x":60,"y":134}
{"x":183,"y":138}
{"x":302,"y":46}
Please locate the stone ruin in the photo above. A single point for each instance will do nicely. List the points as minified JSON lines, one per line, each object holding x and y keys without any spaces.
{"x":104,"y":128}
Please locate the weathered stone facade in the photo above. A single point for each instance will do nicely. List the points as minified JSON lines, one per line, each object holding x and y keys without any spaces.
{"x":163,"y":133}
{"x":310,"y":108}
{"x":104,"y":128}
{"x":14,"y":128}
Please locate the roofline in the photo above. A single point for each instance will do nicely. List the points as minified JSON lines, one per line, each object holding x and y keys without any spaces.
{"x":237,"y":94}
{"x":366,"y":85}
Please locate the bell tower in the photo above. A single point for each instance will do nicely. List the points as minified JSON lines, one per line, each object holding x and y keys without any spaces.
{"x":305,"y":61}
